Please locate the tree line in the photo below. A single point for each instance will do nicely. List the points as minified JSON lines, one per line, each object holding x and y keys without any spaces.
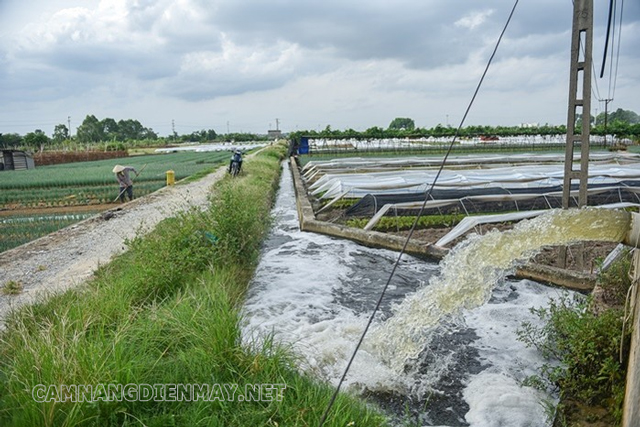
{"x":112,"y":134}
{"x":121,"y":134}
{"x":620,"y":124}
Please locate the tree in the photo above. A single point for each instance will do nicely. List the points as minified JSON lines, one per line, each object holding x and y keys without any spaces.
{"x":374,"y":132}
{"x":110,"y":129}
{"x":211,"y":135}
{"x":625,"y":116}
{"x":60,"y":133}
{"x":133,"y":129}
{"x":36,"y":139}
{"x":578,"y":124}
{"x":91,"y":130}
{"x":10,"y":140}
{"x":402,"y":123}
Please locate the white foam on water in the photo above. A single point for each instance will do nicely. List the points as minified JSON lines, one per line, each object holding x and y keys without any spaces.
{"x":293,"y":297}
{"x":294,"y":300}
{"x":473,"y":268}
{"x":495,"y":396}
{"x":497,"y":400}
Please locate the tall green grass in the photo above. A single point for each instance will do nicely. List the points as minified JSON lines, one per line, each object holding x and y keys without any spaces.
{"x":167,"y":312}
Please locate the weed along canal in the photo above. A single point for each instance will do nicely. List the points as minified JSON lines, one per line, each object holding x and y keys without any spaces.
{"x":315,"y":293}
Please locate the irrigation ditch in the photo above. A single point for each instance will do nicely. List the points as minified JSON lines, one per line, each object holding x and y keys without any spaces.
{"x":166,"y":311}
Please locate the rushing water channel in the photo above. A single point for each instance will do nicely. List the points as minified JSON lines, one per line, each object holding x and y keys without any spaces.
{"x":315,"y":294}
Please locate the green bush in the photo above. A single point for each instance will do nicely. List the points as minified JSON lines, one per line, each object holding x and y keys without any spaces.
{"x":587,"y":347}
{"x":615,"y":281}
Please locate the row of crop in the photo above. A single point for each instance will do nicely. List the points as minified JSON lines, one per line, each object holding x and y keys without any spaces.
{"x":71,"y":196}
{"x":17,"y":230}
{"x":100,"y":172}
{"x":397,"y":223}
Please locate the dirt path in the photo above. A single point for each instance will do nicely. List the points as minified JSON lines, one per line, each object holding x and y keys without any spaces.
{"x":68,"y":257}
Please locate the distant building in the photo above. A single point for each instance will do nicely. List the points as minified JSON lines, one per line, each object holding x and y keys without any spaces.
{"x":530,"y":125}
{"x":274,"y":134}
{"x":16,"y":160}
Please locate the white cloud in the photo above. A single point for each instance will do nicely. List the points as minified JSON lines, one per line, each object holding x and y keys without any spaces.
{"x":347,"y":64}
{"x":238,"y":68}
{"x":474,"y":19}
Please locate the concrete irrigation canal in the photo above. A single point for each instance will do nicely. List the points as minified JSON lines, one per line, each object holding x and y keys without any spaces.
{"x":443,"y":349}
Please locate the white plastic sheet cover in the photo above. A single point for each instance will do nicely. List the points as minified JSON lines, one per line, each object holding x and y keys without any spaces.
{"x":533,"y":176}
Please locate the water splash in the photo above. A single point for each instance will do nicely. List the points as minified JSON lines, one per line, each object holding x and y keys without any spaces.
{"x":472,"y":269}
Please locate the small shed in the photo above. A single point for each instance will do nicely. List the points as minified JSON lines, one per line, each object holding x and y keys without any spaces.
{"x":16,"y":160}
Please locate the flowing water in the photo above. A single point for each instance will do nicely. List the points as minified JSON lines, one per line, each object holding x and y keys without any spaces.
{"x":471,"y":271}
{"x":443,"y":348}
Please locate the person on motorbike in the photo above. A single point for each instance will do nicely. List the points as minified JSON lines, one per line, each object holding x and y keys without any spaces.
{"x":236,"y":157}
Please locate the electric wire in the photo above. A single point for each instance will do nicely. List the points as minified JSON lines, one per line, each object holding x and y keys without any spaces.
{"x":614,"y":19}
{"x":613,"y":43}
{"x":413,"y":227}
{"x":595,"y":90}
{"x":606,"y":40}
{"x":615,"y":75}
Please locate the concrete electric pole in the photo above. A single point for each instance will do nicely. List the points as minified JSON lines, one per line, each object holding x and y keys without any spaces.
{"x":579,"y":101}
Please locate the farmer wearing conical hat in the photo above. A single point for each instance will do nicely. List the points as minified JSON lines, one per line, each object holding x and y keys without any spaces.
{"x":126,"y":184}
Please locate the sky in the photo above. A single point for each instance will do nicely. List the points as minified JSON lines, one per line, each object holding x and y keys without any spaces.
{"x":251,"y":65}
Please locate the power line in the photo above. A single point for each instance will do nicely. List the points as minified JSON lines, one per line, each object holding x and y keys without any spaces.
{"x":613,"y":43}
{"x":615,"y":76}
{"x":606,"y":41}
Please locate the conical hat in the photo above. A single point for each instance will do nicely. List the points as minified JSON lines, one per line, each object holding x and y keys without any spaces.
{"x":118,"y":168}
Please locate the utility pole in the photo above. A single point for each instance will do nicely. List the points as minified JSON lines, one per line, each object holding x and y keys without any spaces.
{"x":606,"y":114}
{"x":579,"y":85}
{"x":69,"y":126}
{"x":173,"y":129}
{"x":227,"y":127}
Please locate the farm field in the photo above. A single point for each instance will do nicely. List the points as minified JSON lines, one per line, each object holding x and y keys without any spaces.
{"x":88,"y":183}
{"x":16,"y":230}
{"x":36,"y":202}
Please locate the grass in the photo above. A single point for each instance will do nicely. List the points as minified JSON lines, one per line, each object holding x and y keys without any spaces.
{"x":167,"y":312}
{"x":396,"y":223}
{"x":12,"y":287}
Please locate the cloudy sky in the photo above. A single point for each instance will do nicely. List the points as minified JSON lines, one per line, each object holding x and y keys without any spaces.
{"x":238,"y":65}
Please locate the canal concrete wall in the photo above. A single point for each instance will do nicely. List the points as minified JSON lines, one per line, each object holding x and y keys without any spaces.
{"x":631,"y":408}
{"x":308,"y":222}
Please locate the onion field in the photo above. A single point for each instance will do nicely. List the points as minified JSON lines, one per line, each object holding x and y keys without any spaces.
{"x":87,"y":183}
{"x":36,"y":202}
{"x":19,"y":229}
